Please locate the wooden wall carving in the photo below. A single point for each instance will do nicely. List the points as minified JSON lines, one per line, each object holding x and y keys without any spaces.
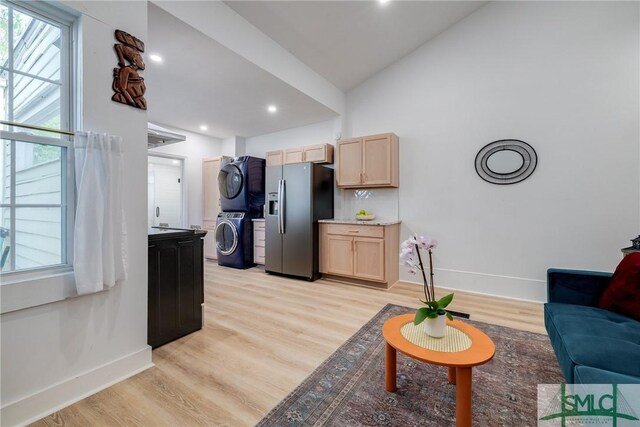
{"x":128,"y":85}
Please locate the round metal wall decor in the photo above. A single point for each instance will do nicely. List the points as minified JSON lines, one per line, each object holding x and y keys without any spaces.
{"x":506,"y":161}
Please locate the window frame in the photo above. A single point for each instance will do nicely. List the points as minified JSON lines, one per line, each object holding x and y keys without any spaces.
{"x":35,"y":286}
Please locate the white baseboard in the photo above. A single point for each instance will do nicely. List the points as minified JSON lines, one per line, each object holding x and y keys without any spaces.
{"x":516,"y":288}
{"x":45,"y":402}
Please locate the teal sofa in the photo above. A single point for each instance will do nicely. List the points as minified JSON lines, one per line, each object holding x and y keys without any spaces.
{"x":593,"y":345}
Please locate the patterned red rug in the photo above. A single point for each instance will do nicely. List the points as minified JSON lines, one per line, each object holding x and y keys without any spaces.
{"x":347,"y":389}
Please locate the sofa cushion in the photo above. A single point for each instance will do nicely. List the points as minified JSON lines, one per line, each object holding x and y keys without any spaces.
{"x":594,"y":337}
{"x":623,"y":293}
{"x":589,"y":375}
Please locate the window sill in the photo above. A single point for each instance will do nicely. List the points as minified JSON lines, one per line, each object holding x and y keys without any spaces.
{"x":24,"y":291}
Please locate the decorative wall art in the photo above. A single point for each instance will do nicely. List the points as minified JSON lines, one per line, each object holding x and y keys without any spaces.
{"x":128,"y":85}
{"x":506,"y":161}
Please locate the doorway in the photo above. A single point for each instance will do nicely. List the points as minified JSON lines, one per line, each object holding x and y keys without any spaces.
{"x":165,"y":190}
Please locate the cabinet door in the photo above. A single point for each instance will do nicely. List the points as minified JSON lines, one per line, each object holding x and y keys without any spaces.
{"x":293,"y":155}
{"x":349,"y":162}
{"x":163,"y":292}
{"x":190,"y":285}
{"x":210,"y":192}
{"x":369,"y":258}
{"x":377,"y":160}
{"x":321,"y":153}
{"x":275,"y":158}
{"x":339,"y":253}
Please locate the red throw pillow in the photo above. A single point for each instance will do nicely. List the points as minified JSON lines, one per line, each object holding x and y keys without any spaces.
{"x":623,"y":293}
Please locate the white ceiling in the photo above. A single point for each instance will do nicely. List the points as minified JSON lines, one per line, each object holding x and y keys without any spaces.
{"x":200,"y":82}
{"x":348,"y":41}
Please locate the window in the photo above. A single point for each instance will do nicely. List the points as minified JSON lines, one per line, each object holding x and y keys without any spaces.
{"x":36,"y":166}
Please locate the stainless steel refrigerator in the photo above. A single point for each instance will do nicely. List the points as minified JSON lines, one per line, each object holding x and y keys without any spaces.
{"x":297,"y":196}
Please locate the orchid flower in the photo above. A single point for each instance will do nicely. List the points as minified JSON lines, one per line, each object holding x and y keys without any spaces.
{"x":412,"y":260}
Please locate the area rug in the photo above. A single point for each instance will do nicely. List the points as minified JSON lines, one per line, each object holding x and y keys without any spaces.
{"x":347,"y":389}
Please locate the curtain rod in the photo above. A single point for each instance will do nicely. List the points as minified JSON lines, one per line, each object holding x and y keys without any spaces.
{"x":44,"y":129}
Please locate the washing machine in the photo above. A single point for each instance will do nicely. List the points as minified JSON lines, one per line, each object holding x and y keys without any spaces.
{"x":241,"y":184}
{"x":234,"y":240}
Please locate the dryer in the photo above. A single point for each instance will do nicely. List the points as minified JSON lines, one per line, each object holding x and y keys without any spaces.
{"x":241,"y":183}
{"x":234,"y":240}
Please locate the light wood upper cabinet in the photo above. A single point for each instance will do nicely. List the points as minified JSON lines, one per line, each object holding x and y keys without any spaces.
{"x":320,"y":153}
{"x":293,"y":155}
{"x":349,"y":162}
{"x":368,"y":162}
{"x":275,"y":158}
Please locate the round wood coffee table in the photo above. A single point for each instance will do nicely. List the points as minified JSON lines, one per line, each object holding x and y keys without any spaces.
{"x":460,"y":350}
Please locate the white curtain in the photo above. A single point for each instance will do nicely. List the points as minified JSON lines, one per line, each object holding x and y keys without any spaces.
{"x":99,"y":253}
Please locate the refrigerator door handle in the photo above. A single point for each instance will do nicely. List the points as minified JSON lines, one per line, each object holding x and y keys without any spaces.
{"x":283,"y":206}
{"x":279,"y":206}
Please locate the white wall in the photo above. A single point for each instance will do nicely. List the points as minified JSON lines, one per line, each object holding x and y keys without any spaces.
{"x":56,"y":353}
{"x":195,"y":148}
{"x":234,"y":146}
{"x":562,"y":76}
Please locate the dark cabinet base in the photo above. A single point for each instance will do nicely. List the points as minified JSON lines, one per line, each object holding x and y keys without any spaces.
{"x":176,"y":287}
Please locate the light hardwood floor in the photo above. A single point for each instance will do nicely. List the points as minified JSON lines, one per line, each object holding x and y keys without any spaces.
{"x":262,"y":336}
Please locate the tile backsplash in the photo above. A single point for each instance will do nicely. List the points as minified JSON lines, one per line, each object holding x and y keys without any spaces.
{"x":383,"y":202}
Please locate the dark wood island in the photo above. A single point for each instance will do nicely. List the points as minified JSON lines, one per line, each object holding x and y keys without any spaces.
{"x":176,"y":284}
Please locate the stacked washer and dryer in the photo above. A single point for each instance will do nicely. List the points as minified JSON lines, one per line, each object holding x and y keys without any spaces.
{"x":241,"y":182}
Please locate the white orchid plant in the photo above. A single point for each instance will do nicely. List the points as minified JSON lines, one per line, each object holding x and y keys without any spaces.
{"x":411,"y":258}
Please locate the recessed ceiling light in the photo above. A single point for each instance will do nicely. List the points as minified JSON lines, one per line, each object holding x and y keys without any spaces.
{"x":272,"y":108}
{"x":155,"y":58}
{"x":203,"y":127}
{"x":384,"y":1}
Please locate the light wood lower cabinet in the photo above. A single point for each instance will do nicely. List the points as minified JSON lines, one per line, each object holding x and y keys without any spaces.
{"x":210,"y":240}
{"x":363,"y":254}
{"x":258,"y":242}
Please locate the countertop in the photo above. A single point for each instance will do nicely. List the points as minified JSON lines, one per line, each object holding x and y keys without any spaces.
{"x":257,"y":219}
{"x":356,"y":222}
{"x":156,"y":233}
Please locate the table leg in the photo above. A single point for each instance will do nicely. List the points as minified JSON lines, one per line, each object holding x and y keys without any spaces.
{"x":390,"y":368}
{"x":463,"y":397}
{"x":452,"y":375}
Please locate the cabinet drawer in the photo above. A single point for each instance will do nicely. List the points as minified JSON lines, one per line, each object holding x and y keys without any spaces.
{"x":258,"y":225}
{"x":258,"y":238}
{"x":355,"y":230}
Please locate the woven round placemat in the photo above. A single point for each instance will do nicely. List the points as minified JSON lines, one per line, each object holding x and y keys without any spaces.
{"x":453,"y":341}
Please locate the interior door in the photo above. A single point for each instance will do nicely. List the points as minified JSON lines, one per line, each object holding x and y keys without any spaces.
{"x":165,"y":191}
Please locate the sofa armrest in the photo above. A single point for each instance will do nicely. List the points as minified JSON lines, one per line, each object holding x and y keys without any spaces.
{"x":578,"y":287}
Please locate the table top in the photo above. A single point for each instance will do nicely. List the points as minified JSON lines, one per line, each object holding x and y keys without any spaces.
{"x":481,"y":351}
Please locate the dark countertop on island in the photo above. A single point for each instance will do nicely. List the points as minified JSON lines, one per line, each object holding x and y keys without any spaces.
{"x":157,"y":233}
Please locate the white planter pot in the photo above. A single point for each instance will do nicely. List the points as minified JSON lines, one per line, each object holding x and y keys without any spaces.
{"x":436,"y":328}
